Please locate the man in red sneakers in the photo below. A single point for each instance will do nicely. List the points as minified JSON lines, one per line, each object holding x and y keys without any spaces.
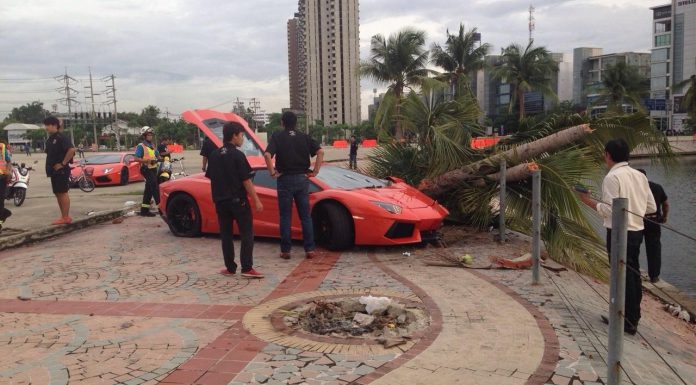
{"x":230,"y":181}
{"x":59,"y":154}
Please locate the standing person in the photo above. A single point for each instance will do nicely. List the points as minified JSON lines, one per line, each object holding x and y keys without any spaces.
{"x":353,"y":155}
{"x":147,"y":155}
{"x":163,"y":149}
{"x":207,"y":147}
{"x":293,"y":150}
{"x":5,"y":172}
{"x":652,"y":232}
{"x":622,"y":181}
{"x":81,"y":150}
{"x":230,"y":182}
{"x":59,"y":154}
{"x":27,"y":149}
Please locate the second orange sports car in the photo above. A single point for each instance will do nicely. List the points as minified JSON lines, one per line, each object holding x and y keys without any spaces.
{"x":110,"y":169}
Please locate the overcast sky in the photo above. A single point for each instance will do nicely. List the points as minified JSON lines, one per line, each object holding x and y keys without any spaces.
{"x":179,"y":54}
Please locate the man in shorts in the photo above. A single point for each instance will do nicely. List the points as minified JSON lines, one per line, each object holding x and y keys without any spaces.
{"x":59,"y":155}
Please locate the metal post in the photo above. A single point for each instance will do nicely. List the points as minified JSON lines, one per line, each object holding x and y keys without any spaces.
{"x":536,"y":225}
{"x":503,"y":187}
{"x":617,"y":290}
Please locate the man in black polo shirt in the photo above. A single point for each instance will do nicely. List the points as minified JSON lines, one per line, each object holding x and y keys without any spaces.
{"x":59,"y":154}
{"x":293,"y":150}
{"x":230,"y":181}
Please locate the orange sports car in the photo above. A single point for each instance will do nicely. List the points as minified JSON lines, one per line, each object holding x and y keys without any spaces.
{"x":348,"y":208}
{"x":110,"y":169}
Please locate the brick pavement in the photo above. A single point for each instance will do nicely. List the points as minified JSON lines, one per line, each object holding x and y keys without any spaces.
{"x":96,"y":307}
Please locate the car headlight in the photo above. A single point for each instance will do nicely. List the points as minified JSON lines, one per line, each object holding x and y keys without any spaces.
{"x":390,"y":207}
{"x":108,"y":170}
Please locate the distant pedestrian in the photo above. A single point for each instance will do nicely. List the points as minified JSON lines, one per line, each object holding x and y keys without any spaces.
{"x":81,"y":150}
{"x":622,"y":181}
{"x":27,"y":149}
{"x":5,"y":172}
{"x":59,"y":154}
{"x":353,"y":155}
{"x":230,"y":182}
{"x":147,"y":155}
{"x":652,"y":232}
{"x":207,"y":148}
{"x":293,"y":150}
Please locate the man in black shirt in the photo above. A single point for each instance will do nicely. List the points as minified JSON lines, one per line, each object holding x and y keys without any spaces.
{"x":652,"y":231}
{"x":293,"y":150}
{"x":206,"y":148}
{"x":162,"y":148}
{"x":230,"y":181}
{"x":353,"y":155}
{"x":59,"y":154}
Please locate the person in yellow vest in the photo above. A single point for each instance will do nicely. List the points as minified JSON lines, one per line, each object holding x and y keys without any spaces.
{"x":147,"y":155}
{"x":5,"y":172}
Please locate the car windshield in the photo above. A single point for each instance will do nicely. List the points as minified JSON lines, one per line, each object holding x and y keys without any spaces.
{"x":103,"y":159}
{"x":342,"y":178}
{"x":249,"y":148}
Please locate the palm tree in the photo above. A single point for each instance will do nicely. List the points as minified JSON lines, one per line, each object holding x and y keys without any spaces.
{"x":527,"y":70}
{"x":399,"y":62}
{"x":622,"y":83}
{"x":461,"y":56}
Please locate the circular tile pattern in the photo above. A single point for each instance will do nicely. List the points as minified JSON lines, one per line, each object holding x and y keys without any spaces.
{"x":259,"y":322}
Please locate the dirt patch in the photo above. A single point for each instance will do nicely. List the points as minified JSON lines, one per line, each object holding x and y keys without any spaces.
{"x":349,"y":318}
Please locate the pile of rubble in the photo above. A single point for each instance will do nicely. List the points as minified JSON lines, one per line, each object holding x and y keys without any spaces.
{"x":381,"y":318}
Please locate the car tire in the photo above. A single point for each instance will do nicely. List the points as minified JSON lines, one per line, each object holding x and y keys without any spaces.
{"x":124,"y":177}
{"x":333,"y":227}
{"x":184,"y":216}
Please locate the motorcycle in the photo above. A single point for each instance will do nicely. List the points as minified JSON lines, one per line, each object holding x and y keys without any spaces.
{"x":19,"y":183}
{"x":166,"y":169}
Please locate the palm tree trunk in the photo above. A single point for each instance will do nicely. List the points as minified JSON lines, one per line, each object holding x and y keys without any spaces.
{"x":438,"y":186}
{"x":513,"y":174}
{"x":520,"y":98}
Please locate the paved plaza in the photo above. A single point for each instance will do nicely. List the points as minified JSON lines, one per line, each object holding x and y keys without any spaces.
{"x":128,"y":303}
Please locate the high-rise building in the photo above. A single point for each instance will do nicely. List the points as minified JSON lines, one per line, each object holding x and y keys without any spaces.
{"x":294,"y":44}
{"x":328,"y":60}
{"x":589,"y":66}
{"x":673,"y":60}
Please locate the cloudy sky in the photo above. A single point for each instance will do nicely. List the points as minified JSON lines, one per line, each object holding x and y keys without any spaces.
{"x":183,"y":54}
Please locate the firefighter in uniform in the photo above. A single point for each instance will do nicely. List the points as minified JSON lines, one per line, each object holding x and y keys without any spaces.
{"x":5,"y":173}
{"x":147,"y":155}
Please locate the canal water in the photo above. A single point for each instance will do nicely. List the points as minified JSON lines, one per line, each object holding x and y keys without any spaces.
{"x":678,"y":252}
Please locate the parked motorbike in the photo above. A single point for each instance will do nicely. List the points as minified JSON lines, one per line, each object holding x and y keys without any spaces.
{"x":166,"y":169}
{"x":19,"y":183}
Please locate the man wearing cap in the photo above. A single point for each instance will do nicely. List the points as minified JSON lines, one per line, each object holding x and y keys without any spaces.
{"x":147,"y":155}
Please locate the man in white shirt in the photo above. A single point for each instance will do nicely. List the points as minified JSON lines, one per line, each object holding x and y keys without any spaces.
{"x":622,"y":181}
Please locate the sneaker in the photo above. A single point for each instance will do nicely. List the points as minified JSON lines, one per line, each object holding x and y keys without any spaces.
{"x":251,"y":274}
{"x":227,"y":272}
{"x":310,"y":254}
{"x":62,"y":221}
{"x":285,"y":255}
{"x":655,"y":280}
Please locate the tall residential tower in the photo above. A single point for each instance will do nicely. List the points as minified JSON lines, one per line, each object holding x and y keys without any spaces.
{"x":328,"y":52}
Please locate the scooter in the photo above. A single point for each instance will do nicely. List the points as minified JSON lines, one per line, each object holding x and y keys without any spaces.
{"x":19,"y":183}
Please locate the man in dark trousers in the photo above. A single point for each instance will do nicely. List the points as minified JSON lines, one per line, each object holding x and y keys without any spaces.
{"x":622,"y":181}
{"x":293,"y":150}
{"x":230,"y":181}
{"x":147,"y":155}
{"x":59,"y":154}
{"x":652,"y":232}
{"x":353,"y":155}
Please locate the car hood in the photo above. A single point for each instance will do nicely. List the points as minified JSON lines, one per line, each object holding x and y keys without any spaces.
{"x":399,"y":193}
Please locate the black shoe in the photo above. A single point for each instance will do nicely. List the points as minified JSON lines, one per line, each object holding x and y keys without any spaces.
{"x":628,"y":329}
{"x":147,"y":214}
{"x":655,"y":280}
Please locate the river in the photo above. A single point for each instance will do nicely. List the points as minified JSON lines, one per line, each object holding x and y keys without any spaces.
{"x":678,"y":252}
